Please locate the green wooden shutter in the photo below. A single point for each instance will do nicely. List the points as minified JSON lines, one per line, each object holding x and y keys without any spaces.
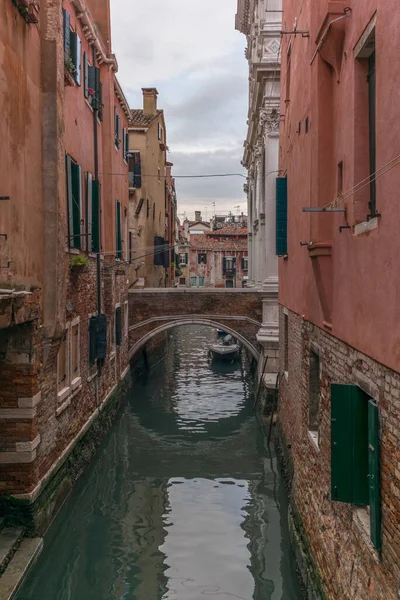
{"x":85,"y":75}
{"x":187,"y":258}
{"x":224,"y":265}
{"x":118,"y":229}
{"x":92,"y":339}
{"x":76,"y":50}
{"x":374,"y":473}
{"x":76,"y":177}
{"x":349,"y":444}
{"x":95,"y":216}
{"x":67,"y":32}
{"x":137,"y":170}
{"x":89,"y":211}
{"x":281,"y":216}
{"x":118,"y":326}
{"x":234,"y":264}
{"x":101,"y":337}
{"x":69,"y":201}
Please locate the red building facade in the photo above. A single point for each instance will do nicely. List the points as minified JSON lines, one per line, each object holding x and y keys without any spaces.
{"x":218,"y":258}
{"x":338,"y":285}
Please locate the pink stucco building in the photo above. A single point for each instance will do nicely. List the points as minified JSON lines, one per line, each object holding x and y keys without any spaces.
{"x":339,"y":288}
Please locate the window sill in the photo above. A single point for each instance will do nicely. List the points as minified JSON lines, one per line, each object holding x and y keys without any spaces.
{"x":73,"y":251}
{"x":366,"y":226}
{"x":76,"y":383}
{"x":88,"y":104}
{"x":63,"y":394}
{"x":361,"y":520}
{"x":91,"y":377}
{"x":313,"y":438}
{"x":67,"y":402}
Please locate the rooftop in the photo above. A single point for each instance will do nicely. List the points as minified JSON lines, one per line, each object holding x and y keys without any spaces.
{"x":212,"y":243}
{"x":233,"y":230}
{"x":139,"y":119}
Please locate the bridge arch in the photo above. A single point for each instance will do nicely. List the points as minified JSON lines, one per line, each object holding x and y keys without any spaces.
{"x":178,"y":321}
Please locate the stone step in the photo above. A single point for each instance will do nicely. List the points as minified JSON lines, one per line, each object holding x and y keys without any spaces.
{"x":19,"y":566}
{"x":10,"y":538}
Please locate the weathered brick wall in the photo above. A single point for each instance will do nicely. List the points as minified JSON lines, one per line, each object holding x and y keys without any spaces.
{"x":241,"y":310}
{"x":346,"y":560}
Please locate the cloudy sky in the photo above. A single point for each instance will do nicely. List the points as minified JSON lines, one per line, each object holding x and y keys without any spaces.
{"x":190,"y":51}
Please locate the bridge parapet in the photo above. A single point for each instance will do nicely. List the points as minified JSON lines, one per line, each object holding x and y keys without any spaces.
{"x":237,"y":311}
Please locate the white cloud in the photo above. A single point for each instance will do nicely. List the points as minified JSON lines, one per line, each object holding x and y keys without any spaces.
{"x":191,"y":52}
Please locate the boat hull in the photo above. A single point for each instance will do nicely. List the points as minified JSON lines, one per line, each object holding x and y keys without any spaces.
{"x":224,"y":352}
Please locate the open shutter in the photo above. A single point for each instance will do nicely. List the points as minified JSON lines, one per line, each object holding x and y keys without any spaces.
{"x":118,"y":132}
{"x":85,"y":75}
{"x":126,"y":143}
{"x":374,"y":473}
{"x":124,"y":146}
{"x":224,"y":265}
{"x":76,"y":49}
{"x":187,"y":258}
{"x":281,"y":216}
{"x":137,"y":170}
{"x":100,"y":97}
{"x":349,"y":444}
{"x":101,"y":337}
{"x":69,"y":202}
{"x":67,"y":32}
{"x":89,"y":212}
{"x":76,"y":177}
{"x":243,"y":268}
{"x":92,"y":339}
{"x":234,"y":264}
{"x":118,"y":230}
{"x":95,"y":216}
{"x":118,"y":326}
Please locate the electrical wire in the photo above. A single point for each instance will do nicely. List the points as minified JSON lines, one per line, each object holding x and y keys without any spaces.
{"x":211,"y":175}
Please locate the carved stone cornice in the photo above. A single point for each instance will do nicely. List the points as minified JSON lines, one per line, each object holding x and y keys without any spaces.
{"x":270,"y":120}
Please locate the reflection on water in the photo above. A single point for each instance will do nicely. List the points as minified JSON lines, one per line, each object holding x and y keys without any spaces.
{"x":183,"y":501}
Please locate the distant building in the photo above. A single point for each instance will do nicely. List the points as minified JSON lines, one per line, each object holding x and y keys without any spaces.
{"x":149,"y":241}
{"x":218,"y":258}
{"x":198,"y":226}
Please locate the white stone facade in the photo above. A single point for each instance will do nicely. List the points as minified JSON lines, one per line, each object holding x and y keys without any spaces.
{"x":261,"y":22}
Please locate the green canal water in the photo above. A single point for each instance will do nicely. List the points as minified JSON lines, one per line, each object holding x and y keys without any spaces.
{"x":184,"y":500}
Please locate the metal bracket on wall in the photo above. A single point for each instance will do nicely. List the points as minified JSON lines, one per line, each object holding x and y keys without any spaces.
{"x":344,"y":227}
{"x":304,"y":33}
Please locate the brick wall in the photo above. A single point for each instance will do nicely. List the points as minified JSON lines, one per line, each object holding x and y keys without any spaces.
{"x":339,"y":542}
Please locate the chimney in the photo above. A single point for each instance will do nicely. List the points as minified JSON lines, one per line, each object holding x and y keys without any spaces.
{"x":149,"y":101}
{"x":197,"y":215}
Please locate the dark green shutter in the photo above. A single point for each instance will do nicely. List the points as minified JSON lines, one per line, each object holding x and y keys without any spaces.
{"x":76,"y":49}
{"x":101,"y":337}
{"x":118,"y":326}
{"x":89,"y":212}
{"x":76,"y":206}
{"x":95,"y":84}
{"x":234,"y":264}
{"x":187,"y":258}
{"x":374,"y":473}
{"x":242,"y":264}
{"x":137,"y":170}
{"x":224,"y":266}
{"x":92,"y":339}
{"x":67,"y":32}
{"x":85,"y":75}
{"x":70,"y":220}
{"x":95,"y":216}
{"x":349,"y":444}
{"x":281,"y":216}
{"x":100,"y":97}
{"x":118,"y":230}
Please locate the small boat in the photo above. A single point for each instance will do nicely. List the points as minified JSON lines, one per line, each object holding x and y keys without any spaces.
{"x":228,"y":350}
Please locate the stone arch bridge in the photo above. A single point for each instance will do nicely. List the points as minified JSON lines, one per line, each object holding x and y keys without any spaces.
{"x":236,"y":311}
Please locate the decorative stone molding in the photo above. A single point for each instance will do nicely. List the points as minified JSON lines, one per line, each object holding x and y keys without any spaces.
{"x":270,"y":120}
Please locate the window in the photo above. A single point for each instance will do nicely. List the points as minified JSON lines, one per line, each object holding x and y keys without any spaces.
{"x":201,"y":281}
{"x":74,"y":203}
{"x":118,"y":230}
{"x":135,"y":170}
{"x":339,"y":190}
{"x":126,"y":235}
{"x":118,"y":326}
{"x":286,"y":343}
{"x":193,"y":281}
{"x":229,"y":265}
{"x":314,"y":396}
{"x":148,"y":208}
{"x":229,"y":283}
{"x":159,"y":175}
{"x":62,"y":364}
{"x":117,"y":128}
{"x":202,"y":259}
{"x":93,"y":83}
{"x":281,"y":216}
{"x":183,"y":259}
{"x":245,"y":263}
{"x":355,"y":449}
{"x":154,"y":210}
{"x":365,"y":118}
{"x":72,"y":49}
{"x":92,"y":214}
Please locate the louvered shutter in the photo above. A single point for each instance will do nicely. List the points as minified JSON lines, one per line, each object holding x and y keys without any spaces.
{"x":76,"y":178}
{"x":101,"y":337}
{"x":224,"y":265}
{"x":76,"y":50}
{"x":92,"y":339}
{"x":85,"y":75}
{"x":281,"y":216}
{"x":67,"y":32}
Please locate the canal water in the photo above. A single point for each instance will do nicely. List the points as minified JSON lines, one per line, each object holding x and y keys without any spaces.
{"x":184,"y":500}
